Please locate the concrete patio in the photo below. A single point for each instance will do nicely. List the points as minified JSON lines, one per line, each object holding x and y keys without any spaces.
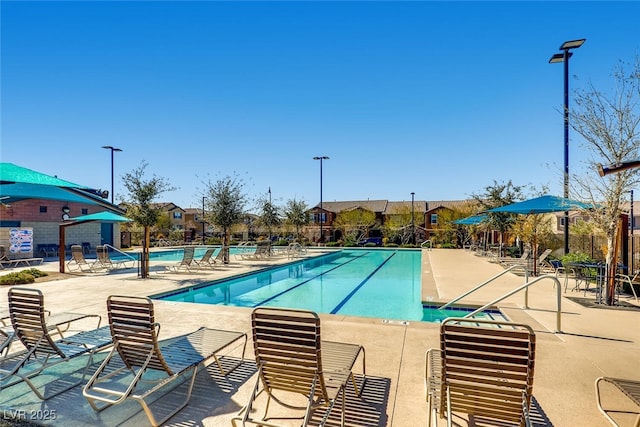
{"x":593,"y":342}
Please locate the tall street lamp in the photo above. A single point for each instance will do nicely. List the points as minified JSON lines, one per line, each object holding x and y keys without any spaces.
{"x":108,"y":147}
{"x":321,"y":219}
{"x":270,"y":212}
{"x":564,"y":57}
{"x":413,"y":227}
{"x":203,"y":220}
{"x":631,"y":226}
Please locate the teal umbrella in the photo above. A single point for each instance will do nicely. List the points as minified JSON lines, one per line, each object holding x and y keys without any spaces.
{"x":102,"y":217}
{"x":543,"y":204}
{"x":472,"y":220}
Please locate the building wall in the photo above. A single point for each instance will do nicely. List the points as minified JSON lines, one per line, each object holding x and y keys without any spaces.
{"x":46,"y":225}
{"x":29,"y":210}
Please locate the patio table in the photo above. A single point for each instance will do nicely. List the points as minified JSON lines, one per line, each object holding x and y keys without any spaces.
{"x":588,"y":273}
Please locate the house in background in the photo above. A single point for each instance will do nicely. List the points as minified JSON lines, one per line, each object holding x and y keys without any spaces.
{"x":330,"y":210}
{"x":176,"y":215}
{"x":436,"y":212}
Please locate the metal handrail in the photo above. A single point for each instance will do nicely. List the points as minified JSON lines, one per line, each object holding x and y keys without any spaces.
{"x":427,"y":244}
{"x":526,"y":286}
{"x":120,"y":252}
{"x":455,"y":300}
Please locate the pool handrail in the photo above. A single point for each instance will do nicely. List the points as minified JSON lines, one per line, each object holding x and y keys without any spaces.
{"x":108,"y":246}
{"x":427,"y":244}
{"x":486,"y":282}
{"x":526,"y":286}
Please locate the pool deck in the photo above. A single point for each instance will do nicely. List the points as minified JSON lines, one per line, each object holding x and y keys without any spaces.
{"x":593,"y":342}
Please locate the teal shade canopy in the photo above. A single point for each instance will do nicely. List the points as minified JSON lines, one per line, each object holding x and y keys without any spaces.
{"x":14,"y":174}
{"x":18,"y":183}
{"x":102,"y":217}
{"x":543,"y":204}
{"x":472,"y":220}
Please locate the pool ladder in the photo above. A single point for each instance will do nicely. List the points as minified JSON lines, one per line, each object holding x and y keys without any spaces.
{"x":524,"y":286}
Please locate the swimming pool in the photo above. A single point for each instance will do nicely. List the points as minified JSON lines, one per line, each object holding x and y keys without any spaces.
{"x":367,"y":283}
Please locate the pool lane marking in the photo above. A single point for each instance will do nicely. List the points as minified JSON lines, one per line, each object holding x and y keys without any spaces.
{"x":308,"y":280}
{"x":357,"y":288}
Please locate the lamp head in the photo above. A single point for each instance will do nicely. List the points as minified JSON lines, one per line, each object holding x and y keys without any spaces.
{"x":559,"y":57}
{"x":109,"y":147}
{"x":572,"y":44}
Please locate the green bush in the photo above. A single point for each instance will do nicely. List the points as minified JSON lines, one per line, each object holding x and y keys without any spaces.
{"x":576,"y":257}
{"x":35,"y":272}
{"x":332,"y":244}
{"x":513,"y":251}
{"x":18,"y":278}
{"x":390,"y":245}
{"x":22,"y":277}
{"x":448,"y":246}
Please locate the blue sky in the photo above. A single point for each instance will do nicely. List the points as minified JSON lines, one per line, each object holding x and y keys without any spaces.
{"x":436,"y":98}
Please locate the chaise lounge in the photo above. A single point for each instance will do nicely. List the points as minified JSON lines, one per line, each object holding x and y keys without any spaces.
{"x":483,"y":369}
{"x":26,"y":307}
{"x":135,"y":338}
{"x":292,"y":361}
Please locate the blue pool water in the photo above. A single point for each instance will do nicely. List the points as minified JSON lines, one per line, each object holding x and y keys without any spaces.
{"x":366,"y":283}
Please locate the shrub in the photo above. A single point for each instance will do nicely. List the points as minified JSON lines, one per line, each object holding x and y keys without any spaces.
{"x":213,"y":241}
{"x":576,"y":257}
{"x":332,"y":244}
{"x":18,"y":278}
{"x":22,"y":277}
{"x":35,"y":272}
{"x":390,"y":245}
{"x":448,"y":246}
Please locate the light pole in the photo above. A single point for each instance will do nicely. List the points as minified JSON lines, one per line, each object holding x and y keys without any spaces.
{"x":270,"y":211}
{"x":109,"y":147}
{"x":564,"y":57}
{"x":321,"y":158}
{"x":631,"y":226}
{"x":203,"y":221}
{"x":413,"y":227}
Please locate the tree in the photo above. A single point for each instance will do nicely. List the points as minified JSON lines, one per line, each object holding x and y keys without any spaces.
{"x":269,"y":214}
{"x":397,"y":225}
{"x":226,"y":201}
{"x":494,"y":196}
{"x":141,"y":194}
{"x":163,"y":223}
{"x":355,"y":223}
{"x":535,"y":229}
{"x":610,"y":127}
{"x":447,"y":232}
{"x":296,"y":214}
{"x":464,"y":234}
